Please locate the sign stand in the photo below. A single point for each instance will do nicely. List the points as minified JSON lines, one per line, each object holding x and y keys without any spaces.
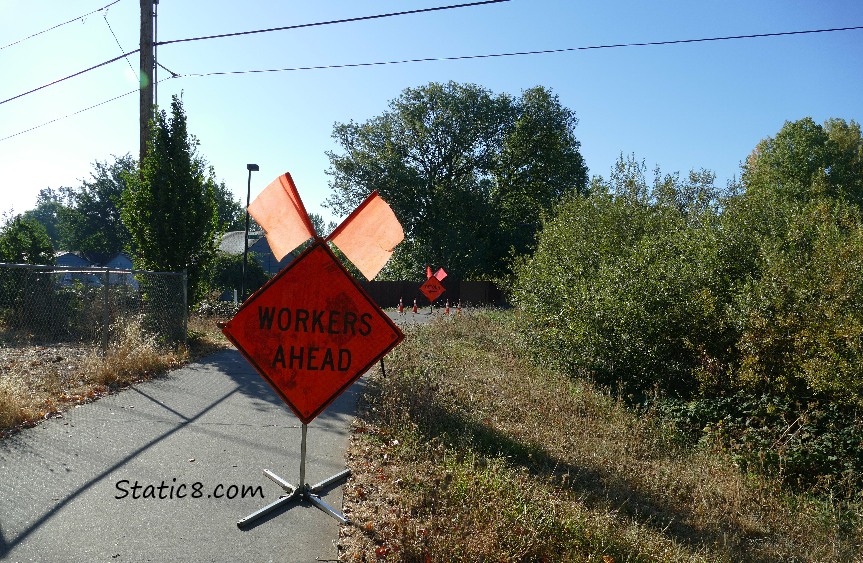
{"x":299,"y":493}
{"x":311,"y":341}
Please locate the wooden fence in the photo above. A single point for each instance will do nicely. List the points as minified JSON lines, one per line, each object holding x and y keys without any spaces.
{"x":470,"y":293}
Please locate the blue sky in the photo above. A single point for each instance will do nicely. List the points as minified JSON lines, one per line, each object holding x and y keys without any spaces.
{"x":679,"y":107}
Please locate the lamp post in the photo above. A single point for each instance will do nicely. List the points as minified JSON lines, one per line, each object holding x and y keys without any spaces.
{"x":251,"y":168}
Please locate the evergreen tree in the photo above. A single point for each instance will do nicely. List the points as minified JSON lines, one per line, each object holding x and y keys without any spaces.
{"x":170,"y":206}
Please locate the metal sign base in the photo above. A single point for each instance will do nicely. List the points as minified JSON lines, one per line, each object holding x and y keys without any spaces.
{"x":299,"y":493}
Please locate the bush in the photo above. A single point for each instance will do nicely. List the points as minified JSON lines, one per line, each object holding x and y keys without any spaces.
{"x":800,"y":312}
{"x":750,"y":310}
{"x":809,"y":445}
{"x":621,"y":285}
{"x":646,"y":289}
{"x":226,"y":273}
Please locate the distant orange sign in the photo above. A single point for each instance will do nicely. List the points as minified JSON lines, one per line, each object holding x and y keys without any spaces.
{"x":432,"y":289}
{"x":312,"y":331}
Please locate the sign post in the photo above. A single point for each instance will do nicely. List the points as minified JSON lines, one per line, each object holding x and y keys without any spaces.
{"x":310,"y":332}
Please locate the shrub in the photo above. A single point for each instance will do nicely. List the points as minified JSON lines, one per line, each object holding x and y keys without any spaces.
{"x":621,"y":285}
{"x":226,"y":273}
{"x":815,"y":445}
{"x":800,"y":312}
{"x":750,"y":306}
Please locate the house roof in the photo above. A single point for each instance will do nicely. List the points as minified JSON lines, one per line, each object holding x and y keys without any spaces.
{"x":120,"y":261}
{"x":69,"y":258}
{"x":261,"y":249}
{"x":232,"y":241}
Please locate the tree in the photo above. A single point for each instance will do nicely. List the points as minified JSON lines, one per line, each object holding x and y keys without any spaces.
{"x":49,"y":205}
{"x":23,"y":240}
{"x":794,"y":242}
{"x":538,"y":165}
{"x":806,"y":160}
{"x":170,"y":207}
{"x":27,"y":297}
{"x":232,"y":216}
{"x":468,"y":173}
{"x":621,"y":283}
{"x":91,"y":222}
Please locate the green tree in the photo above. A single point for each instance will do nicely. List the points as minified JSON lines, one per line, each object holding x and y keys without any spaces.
{"x":806,"y":160}
{"x":794,"y":247}
{"x":468,"y":173}
{"x":27,"y":297}
{"x":24,"y":240}
{"x":92,"y":222}
{"x":170,"y":207}
{"x":538,"y":165}
{"x":49,"y":205}
{"x":232,"y":215}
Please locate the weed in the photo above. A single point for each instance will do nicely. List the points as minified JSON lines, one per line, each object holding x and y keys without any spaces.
{"x":467,"y":451}
{"x":38,"y":382}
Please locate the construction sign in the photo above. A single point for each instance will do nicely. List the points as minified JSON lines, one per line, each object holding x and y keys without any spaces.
{"x":432,"y":289}
{"x":312,"y":331}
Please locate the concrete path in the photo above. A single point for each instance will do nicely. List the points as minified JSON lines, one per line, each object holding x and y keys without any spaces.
{"x":205,"y":431}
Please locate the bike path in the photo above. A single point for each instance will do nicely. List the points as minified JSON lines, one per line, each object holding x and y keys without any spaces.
{"x":192,"y":441}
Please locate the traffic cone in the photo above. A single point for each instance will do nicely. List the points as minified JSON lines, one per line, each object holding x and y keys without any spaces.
{"x":458,"y":308}
{"x":446,"y":311}
{"x":415,"y":306}
{"x":401,"y":307}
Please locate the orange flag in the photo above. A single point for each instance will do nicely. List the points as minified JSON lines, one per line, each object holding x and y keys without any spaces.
{"x":369,"y":235}
{"x":280,"y":212}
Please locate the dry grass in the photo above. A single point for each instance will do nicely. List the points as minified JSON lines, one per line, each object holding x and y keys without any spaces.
{"x":467,"y":452}
{"x":39,"y":382}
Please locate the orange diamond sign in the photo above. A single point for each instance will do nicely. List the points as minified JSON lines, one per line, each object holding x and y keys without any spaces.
{"x":432,"y":289}
{"x":312,"y":331}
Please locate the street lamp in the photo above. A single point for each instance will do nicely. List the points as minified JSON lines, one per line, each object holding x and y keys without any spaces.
{"x":251,"y":168}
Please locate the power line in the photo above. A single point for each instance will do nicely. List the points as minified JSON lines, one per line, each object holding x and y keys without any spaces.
{"x":430,"y":59}
{"x":68,"y":115}
{"x":94,"y":106}
{"x":111,"y":29}
{"x":124,"y":55}
{"x":79,"y":73}
{"x":344,"y":20}
{"x":59,"y":25}
{"x":523,"y":53}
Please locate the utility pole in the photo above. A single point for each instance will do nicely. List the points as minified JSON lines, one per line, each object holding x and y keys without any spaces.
{"x":146,"y":75}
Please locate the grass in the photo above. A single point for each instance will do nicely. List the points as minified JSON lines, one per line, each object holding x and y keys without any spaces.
{"x":39,"y":382}
{"x":466,"y":451}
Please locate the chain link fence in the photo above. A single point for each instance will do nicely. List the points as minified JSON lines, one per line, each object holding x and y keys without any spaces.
{"x":54,"y":304}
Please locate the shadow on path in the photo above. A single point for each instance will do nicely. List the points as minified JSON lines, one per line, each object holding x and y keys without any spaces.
{"x":6,"y":547}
